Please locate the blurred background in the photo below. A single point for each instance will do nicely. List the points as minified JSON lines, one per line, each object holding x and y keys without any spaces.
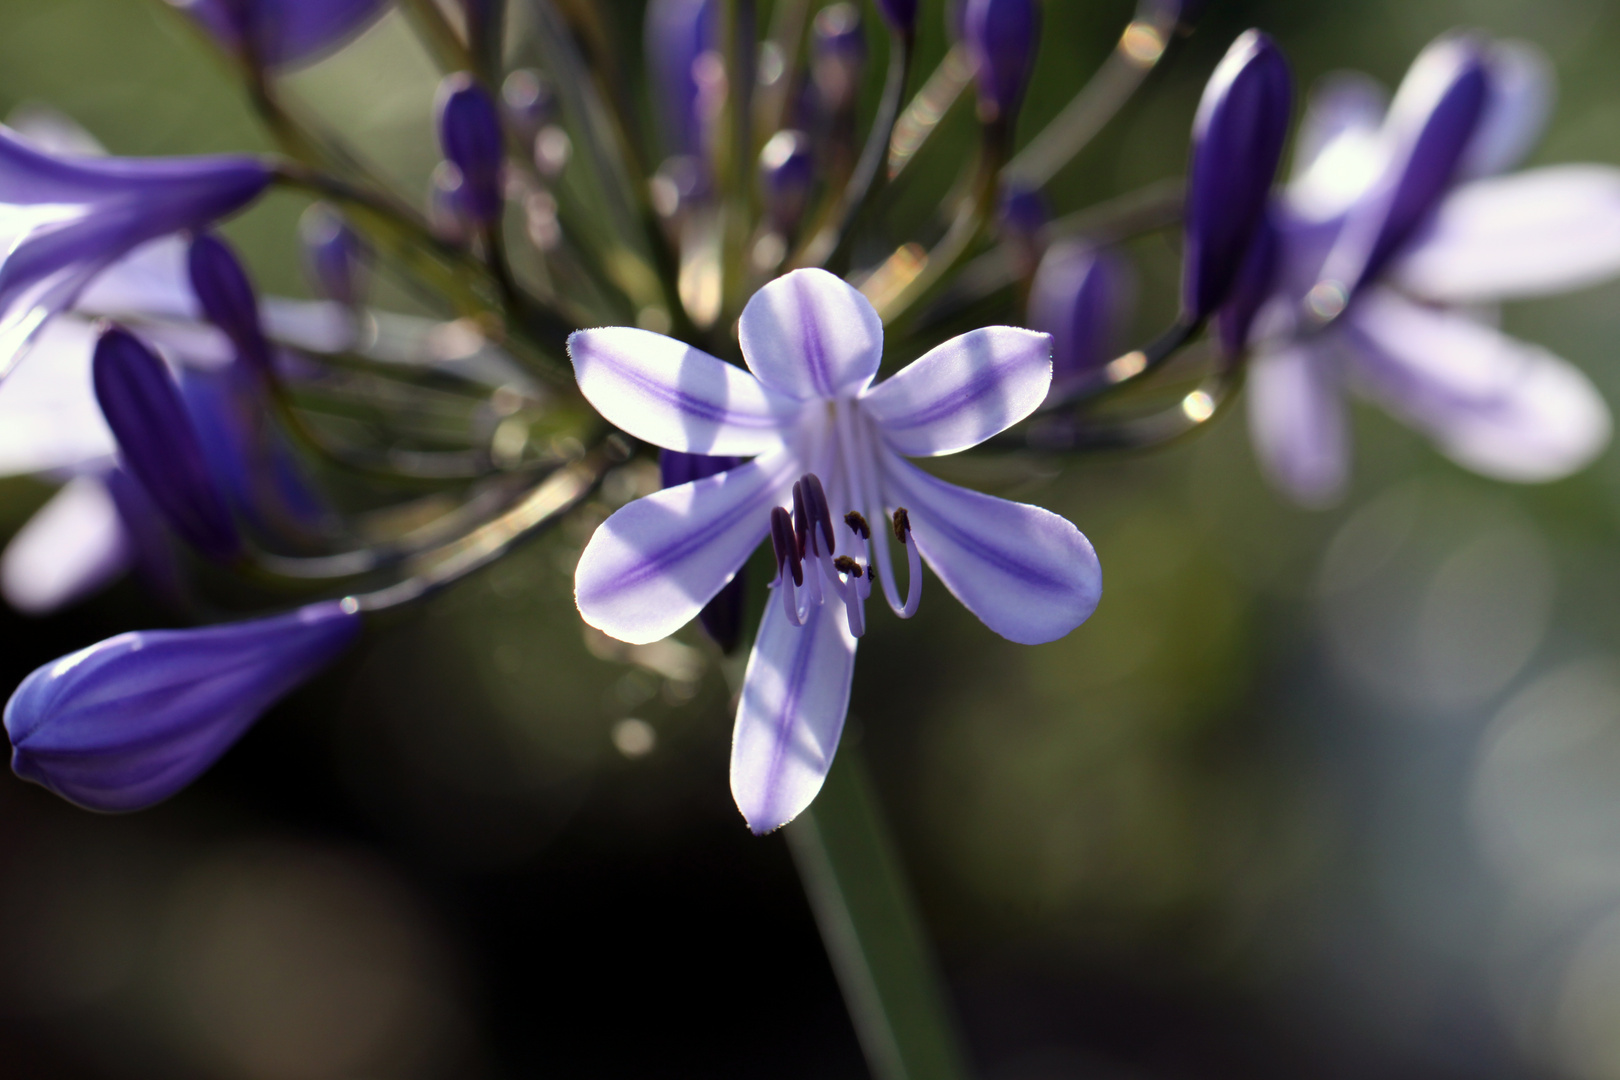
{"x":1323,"y":794}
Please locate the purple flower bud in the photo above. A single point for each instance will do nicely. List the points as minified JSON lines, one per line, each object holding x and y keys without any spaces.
{"x":1023,"y":211}
{"x":281,"y":33}
{"x":677,"y":33}
{"x":1001,"y":38}
{"x":787,"y":171}
{"x":1431,"y":124}
{"x":158,"y":444}
{"x":900,"y":14}
{"x":1237,"y":141}
{"x":528,"y":102}
{"x":447,"y":208}
{"x":1250,"y":290}
{"x":227,"y":298}
{"x":721,"y":617}
{"x":1082,"y":297}
{"x":69,"y":218}
{"x":334,"y":255}
{"x":131,"y":720}
{"x":837,"y":56}
{"x":471,"y":138}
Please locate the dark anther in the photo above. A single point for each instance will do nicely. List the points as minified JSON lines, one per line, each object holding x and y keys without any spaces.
{"x":846,"y":565}
{"x":801,"y":520}
{"x":783,"y":542}
{"x":902,"y":525}
{"x":858,"y":525}
{"x":820,"y":514}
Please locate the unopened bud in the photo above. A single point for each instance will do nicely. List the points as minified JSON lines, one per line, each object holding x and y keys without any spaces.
{"x":471,"y":139}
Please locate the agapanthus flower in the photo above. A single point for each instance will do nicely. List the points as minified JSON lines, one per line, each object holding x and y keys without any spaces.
{"x":1392,"y":233}
{"x":283,"y":33}
{"x":828,"y":483}
{"x":129,"y":721}
{"x":64,"y":220}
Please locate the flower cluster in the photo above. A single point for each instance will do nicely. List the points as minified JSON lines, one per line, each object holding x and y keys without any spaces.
{"x":722,"y":291}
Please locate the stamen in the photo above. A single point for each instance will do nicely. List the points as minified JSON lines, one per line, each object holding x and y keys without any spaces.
{"x":801,"y":520}
{"x":782,"y":540}
{"x":857,"y":525}
{"x":816,"y":497}
{"x":847,"y":565}
{"x":902,"y":532}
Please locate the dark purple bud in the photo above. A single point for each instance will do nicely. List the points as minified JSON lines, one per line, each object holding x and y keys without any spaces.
{"x":1082,"y":297}
{"x":677,"y":33}
{"x":1237,"y":141}
{"x":837,"y":56}
{"x":471,"y":138}
{"x":158,"y":444}
{"x":227,"y":297}
{"x":334,"y":255}
{"x":528,"y":102}
{"x":131,"y":720}
{"x":787,"y":171}
{"x":1001,"y":38}
{"x":1251,"y":290}
{"x":722,"y":617}
{"x":1023,"y":211}
{"x":447,"y":211}
{"x":280,"y":33}
{"x":1431,"y":123}
{"x":900,"y":14}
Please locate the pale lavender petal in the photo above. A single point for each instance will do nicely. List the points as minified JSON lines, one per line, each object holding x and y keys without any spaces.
{"x":1522,"y":92}
{"x":72,"y":546}
{"x":810,"y":334}
{"x":1026,"y":572}
{"x":653,"y":564}
{"x":150,"y":282}
{"x":1498,"y":406}
{"x":49,"y":418}
{"x":1529,"y":234}
{"x":1338,"y":153}
{"x":667,"y":393}
{"x":794,"y":698}
{"x":960,"y":393}
{"x":1297,"y":422}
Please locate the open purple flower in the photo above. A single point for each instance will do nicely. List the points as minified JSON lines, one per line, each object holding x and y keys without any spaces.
{"x":64,"y":220}
{"x":828,"y":482}
{"x":283,"y":33}
{"x":1391,"y":234}
{"x":131,"y":720}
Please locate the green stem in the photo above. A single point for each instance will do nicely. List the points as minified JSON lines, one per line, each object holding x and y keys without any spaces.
{"x":870,"y":926}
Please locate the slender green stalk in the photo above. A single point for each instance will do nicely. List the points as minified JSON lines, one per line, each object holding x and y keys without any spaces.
{"x":870,"y":926}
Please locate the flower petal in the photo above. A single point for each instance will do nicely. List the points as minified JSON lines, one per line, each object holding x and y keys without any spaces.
{"x":1522,"y":92}
{"x":49,"y":418}
{"x":667,"y":393}
{"x":653,"y":565}
{"x":1029,"y":574}
{"x":794,"y":698}
{"x":810,"y":334}
{"x":1297,"y":422}
{"x":960,"y":393}
{"x":1529,"y":234}
{"x":72,"y":546}
{"x":1499,"y":406}
{"x":1342,"y":115}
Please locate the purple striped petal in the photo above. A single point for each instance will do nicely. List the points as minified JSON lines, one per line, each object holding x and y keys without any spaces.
{"x":653,"y":565}
{"x":284,"y":32}
{"x":1521,"y":98}
{"x":794,"y":698}
{"x":1027,"y":573}
{"x":960,"y":393}
{"x":667,"y":393}
{"x":131,"y":720}
{"x":1530,"y":234}
{"x":1297,"y":422}
{"x":1498,"y":406}
{"x":810,"y":334}
{"x":72,"y":546}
